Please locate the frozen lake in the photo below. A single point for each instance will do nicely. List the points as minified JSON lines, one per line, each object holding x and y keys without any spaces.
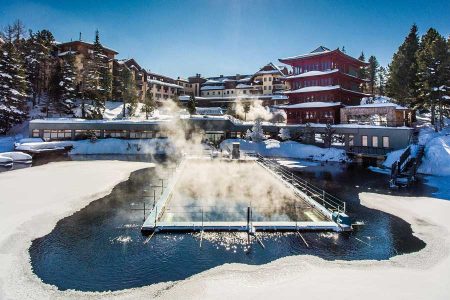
{"x":101,"y":247}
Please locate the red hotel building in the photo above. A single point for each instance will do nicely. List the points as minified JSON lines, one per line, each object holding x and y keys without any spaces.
{"x":324,"y":79}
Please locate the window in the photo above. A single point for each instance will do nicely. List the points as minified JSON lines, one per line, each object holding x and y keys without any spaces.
{"x":385,"y":142}
{"x":374,"y":141}
{"x":350,"y":139}
{"x":270,"y":78}
{"x":141,"y":134}
{"x":265,"y":78}
{"x":364,"y":141}
{"x":116,"y":134}
{"x":57,"y":134}
{"x":35,"y":133}
{"x":245,"y":91}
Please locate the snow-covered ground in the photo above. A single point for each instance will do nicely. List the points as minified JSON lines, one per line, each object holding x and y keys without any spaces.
{"x":420,"y":275}
{"x":288,"y":149}
{"x":436,"y":159}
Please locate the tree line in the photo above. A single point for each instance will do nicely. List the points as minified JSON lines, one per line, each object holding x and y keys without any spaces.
{"x":419,"y":74}
{"x":34,"y":75}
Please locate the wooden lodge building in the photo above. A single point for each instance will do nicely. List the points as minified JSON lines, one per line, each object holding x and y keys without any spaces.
{"x":320,"y":77}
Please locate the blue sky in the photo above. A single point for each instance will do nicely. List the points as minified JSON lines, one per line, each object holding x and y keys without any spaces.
{"x":181,"y":38}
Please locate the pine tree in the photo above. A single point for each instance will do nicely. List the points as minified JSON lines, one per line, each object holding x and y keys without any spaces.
{"x":97,"y":78}
{"x":257,"y":133}
{"x":191,"y":105}
{"x":55,"y":90}
{"x":284,"y":134}
{"x":402,"y":81}
{"x":13,"y":108}
{"x":149,"y":105}
{"x":372,"y":72}
{"x":68,"y":83}
{"x":382,"y":75}
{"x":362,"y":73}
{"x":129,"y":93}
{"x":433,"y":71}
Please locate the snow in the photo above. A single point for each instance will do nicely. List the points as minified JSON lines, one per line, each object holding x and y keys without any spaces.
{"x":436,"y":160}
{"x":288,"y":149}
{"x":212,"y":87}
{"x":153,"y":81}
{"x":312,"y":73}
{"x":310,"y":104}
{"x":427,"y":271}
{"x":16,"y":156}
{"x":314,"y":89}
{"x":381,"y":104}
{"x":4,"y":160}
{"x":43,"y":146}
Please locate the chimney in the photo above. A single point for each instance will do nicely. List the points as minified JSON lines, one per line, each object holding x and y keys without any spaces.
{"x":80,"y":36}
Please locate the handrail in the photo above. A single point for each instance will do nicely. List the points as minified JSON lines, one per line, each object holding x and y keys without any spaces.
{"x":328,"y":201}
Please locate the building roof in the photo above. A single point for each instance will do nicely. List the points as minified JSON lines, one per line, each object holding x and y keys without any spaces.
{"x":86,"y":44}
{"x":319,"y":51}
{"x":309,"y":89}
{"x":270,"y":68}
{"x":168,"y":84}
{"x":314,"y":89}
{"x":212,"y":87}
{"x":377,"y":105}
{"x":309,"y":105}
{"x":312,"y":73}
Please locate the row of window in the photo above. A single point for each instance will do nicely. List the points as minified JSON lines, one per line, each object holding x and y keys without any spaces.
{"x":48,"y":134}
{"x":322,"y":66}
{"x":313,"y":82}
{"x":375,"y":141}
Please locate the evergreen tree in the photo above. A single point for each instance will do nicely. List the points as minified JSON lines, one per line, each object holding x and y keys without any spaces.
{"x":68,"y":82}
{"x":402,"y":81}
{"x":257,"y":133}
{"x":382,"y":75}
{"x":149,"y":105}
{"x":372,"y":72}
{"x":97,"y":78}
{"x":55,"y":91}
{"x":362,"y":73}
{"x":13,"y":108}
{"x":129,"y":93}
{"x":433,"y":71}
{"x":38,"y":62}
{"x":191,"y":105}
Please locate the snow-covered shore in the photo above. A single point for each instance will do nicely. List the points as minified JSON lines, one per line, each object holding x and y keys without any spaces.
{"x":288,"y":149}
{"x":29,"y":210}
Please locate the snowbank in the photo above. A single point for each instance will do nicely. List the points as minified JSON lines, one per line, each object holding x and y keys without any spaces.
{"x":28,"y":210}
{"x":437,"y":157}
{"x":17,"y":156}
{"x":420,"y":275}
{"x":288,"y":149}
{"x":119,"y":146}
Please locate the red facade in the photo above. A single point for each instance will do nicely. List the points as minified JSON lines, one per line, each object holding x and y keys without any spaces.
{"x":323,"y":76}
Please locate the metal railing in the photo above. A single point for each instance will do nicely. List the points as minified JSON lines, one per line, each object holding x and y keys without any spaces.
{"x":328,"y":201}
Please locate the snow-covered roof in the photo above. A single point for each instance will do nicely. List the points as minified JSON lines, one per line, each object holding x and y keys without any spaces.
{"x":310,"y":105}
{"x":212,"y":87}
{"x":312,"y":73}
{"x":318,"y":51}
{"x":165,"y":83}
{"x":243,"y":86}
{"x":399,"y":107}
{"x":67,"y":52}
{"x":314,"y":89}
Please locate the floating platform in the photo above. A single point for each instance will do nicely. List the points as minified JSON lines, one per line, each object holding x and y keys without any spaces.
{"x":155,"y":222}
